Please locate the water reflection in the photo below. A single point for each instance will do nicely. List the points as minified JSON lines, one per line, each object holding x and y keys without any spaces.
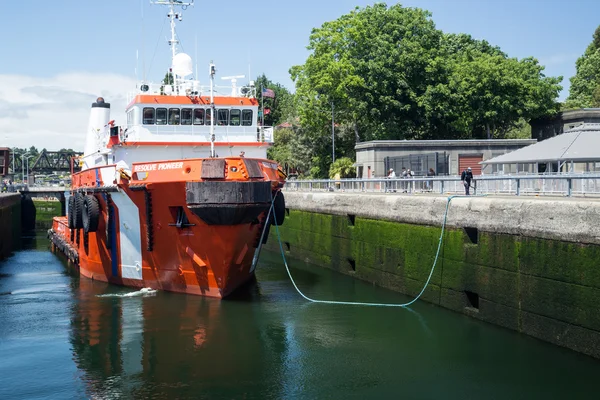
{"x":268,"y":343}
{"x":168,"y":345}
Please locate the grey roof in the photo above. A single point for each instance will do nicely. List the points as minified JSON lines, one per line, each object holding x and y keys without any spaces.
{"x":580,"y":144}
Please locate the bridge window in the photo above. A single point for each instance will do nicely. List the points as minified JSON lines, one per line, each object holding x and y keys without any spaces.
{"x":174,"y":116}
{"x":186,"y":116}
{"x":199,"y":116}
{"x":148,"y":116}
{"x":223,"y":117}
{"x":209,"y":115}
{"x":161,"y":116}
{"x":234,"y":117}
{"x":246,"y":117}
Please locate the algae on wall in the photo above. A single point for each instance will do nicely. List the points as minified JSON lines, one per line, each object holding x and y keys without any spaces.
{"x":545,"y":288}
{"x":45,"y":211}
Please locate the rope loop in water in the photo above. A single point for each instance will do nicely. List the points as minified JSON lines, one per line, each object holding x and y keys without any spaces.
{"x":357,"y":303}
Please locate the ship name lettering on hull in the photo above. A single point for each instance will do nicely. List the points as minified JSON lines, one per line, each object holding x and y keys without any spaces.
{"x":159,"y":167}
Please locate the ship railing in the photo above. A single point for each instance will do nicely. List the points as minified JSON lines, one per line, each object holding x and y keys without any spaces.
{"x":186,"y":88}
{"x":584,"y":185}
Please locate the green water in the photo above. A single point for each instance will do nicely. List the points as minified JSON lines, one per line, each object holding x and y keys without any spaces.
{"x":59,"y":340}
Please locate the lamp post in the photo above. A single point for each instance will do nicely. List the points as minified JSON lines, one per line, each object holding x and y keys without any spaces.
{"x":23,"y":167}
{"x":332,"y":135}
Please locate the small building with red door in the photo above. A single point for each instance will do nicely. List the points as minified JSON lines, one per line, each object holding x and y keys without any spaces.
{"x":446,"y":157}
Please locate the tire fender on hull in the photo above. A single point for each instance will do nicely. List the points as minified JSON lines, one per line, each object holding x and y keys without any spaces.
{"x":78,"y":210}
{"x":90,"y":214}
{"x":71,"y":212}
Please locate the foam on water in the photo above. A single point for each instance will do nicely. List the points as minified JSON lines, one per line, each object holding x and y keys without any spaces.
{"x":142,"y":292}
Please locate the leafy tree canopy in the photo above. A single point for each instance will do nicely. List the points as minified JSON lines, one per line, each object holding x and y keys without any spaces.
{"x":390,"y":74}
{"x":585,"y":84}
{"x":281,"y":108}
{"x":342,"y":168}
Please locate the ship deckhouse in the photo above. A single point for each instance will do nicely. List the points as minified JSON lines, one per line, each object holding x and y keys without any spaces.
{"x":179,"y":118}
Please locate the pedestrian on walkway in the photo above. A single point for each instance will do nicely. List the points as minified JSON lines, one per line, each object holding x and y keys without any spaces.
{"x":391,"y":175}
{"x":431,"y":172}
{"x":466,"y":178}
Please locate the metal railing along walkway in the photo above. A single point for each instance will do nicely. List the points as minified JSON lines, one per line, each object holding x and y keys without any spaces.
{"x":552,"y":185}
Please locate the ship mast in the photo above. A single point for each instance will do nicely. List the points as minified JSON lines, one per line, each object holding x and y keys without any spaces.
{"x":212,"y":72}
{"x":173,"y":16}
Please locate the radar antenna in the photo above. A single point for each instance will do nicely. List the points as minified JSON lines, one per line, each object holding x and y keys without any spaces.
{"x":233,"y":79}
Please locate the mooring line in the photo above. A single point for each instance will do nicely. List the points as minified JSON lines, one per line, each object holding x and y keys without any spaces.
{"x":356,"y":303}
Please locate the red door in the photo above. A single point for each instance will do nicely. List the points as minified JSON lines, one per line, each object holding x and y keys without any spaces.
{"x":470,"y":160}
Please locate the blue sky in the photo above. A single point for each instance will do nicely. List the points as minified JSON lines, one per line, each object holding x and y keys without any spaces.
{"x":73,"y":47}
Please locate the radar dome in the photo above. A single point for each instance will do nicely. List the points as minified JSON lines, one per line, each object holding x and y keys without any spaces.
{"x":182,"y":64}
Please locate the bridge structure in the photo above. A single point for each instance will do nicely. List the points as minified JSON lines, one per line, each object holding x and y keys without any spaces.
{"x":46,"y":162}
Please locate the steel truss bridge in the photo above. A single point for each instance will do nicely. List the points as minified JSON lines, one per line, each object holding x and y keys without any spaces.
{"x":47,"y":162}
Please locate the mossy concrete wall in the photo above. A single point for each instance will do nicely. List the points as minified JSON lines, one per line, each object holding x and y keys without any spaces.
{"x":46,"y":210}
{"x":546,"y":288}
{"x":10,"y":223}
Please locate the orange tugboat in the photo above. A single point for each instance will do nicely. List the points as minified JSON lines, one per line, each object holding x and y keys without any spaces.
{"x":155,"y":206}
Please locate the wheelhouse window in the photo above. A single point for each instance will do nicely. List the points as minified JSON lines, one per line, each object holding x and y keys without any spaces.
{"x":148,"y":116}
{"x":208,"y":115}
{"x":199,"y":116}
{"x":234,"y":117}
{"x":161,"y":116}
{"x":222,"y":117}
{"x":186,"y":116}
{"x":246,"y":117}
{"x":174,"y":116}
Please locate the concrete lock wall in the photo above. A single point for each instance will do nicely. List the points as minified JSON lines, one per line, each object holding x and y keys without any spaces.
{"x":10,"y":223}
{"x":530,"y":265}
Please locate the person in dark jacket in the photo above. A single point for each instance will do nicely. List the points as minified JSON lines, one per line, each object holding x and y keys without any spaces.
{"x":466,"y":178}
{"x":431,"y":172}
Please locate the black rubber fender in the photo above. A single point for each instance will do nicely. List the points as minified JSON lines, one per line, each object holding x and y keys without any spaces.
{"x":90,"y":213}
{"x":278,"y":209}
{"x":71,"y":212}
{"x":78,"y":210}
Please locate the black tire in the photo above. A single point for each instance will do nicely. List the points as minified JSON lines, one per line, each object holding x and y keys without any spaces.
{"x":90,"y":214}
{"x":278,"y":209}
{"x":71,"y":212}
{"x":78,"y":209}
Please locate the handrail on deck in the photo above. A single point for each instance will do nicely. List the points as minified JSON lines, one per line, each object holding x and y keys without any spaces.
{"x":585,"y":184}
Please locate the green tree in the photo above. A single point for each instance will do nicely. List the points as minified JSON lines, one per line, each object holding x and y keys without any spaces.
{"x":390,"y":74}
{"x":281,"y":108}
{"x":289,"y":150}
{"x":585,"y":84}
{"x":344,"y":167}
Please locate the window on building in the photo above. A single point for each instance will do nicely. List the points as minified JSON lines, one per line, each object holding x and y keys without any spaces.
{"x":234,"y":117}
{"x":161,"y":116}
{"x":199,"y":116}
{"x":148,"y":118}
{"x":186,"y":116}
{"x":222,"y":117}
{"x":246,"y":117}
{"x":174,"y":116}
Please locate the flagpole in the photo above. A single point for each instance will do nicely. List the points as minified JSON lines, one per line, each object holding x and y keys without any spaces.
{"x":262,"y":100}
